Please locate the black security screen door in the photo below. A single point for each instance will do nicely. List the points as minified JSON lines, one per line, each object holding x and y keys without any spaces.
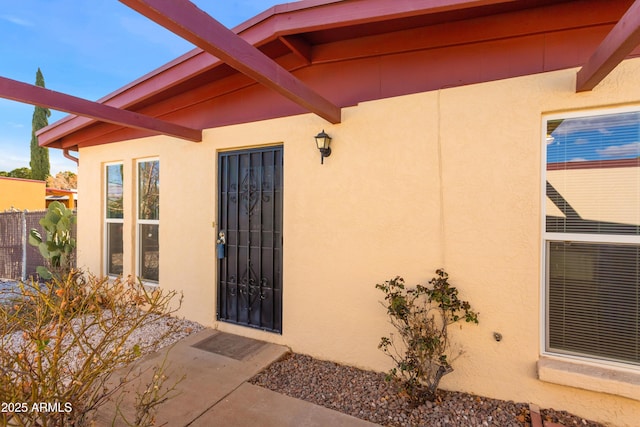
{"x":250,"y":225}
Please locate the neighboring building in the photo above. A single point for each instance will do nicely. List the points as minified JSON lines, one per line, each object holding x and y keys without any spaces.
{"x":462,"y":144}
{"x":66,"y":197}
{"x":21,"y":194}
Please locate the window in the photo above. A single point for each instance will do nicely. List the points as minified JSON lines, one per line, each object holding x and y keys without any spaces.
{"x":148,"y":220}
{"x":114,"y":215}
{"x":592,"y":236}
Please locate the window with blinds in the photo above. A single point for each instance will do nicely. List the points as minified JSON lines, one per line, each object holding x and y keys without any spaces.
{"x":592,"y":236}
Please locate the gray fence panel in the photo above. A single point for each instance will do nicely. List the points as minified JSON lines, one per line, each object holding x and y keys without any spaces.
{"x":11,"y":245}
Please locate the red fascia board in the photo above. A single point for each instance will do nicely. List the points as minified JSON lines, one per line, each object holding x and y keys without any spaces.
{"x":265,"y":26}
{"x":550,"y":19}
{"x":619,"y":43}
{"x":179,"y":70}
{"x":237,"y":99}
{"x":313,"y":15}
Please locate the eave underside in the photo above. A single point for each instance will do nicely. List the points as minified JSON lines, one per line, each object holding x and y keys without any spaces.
{"x":366,"y":61}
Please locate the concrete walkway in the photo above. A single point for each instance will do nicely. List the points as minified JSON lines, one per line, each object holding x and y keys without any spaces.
{"x":215,"y":391}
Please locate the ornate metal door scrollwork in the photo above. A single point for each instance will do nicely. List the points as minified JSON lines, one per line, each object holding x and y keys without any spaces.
{"x":252,"y":189}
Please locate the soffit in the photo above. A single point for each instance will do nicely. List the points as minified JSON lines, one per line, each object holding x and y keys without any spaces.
{"x":266,"y":31}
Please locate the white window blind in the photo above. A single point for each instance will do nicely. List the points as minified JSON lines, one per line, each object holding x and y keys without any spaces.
{"x":592,"y":236}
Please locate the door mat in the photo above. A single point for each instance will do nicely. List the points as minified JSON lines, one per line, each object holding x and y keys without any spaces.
{"x":229,"y":345}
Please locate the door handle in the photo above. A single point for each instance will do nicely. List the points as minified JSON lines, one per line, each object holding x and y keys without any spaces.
{"x":220,"y":245}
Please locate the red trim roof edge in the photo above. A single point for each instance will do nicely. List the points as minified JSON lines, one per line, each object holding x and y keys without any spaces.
{"x":264,"y":29}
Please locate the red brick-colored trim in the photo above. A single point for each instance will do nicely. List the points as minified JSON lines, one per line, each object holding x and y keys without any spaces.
{"x":353,"y":62}
{"x":594,"y":164}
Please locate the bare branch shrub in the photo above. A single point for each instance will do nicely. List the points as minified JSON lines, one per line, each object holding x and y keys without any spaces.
{"x":421,"y":317}
{"x":62,"y":341}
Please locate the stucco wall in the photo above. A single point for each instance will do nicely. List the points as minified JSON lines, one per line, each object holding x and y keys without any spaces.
{"x":21,"y":194}
{"x":450,"y":178}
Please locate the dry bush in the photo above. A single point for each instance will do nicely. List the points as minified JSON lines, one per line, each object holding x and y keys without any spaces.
{"x":421,"y":349}
{"x":62,"y":341}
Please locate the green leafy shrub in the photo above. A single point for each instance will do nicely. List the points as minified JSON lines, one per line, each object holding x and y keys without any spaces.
{"x":62,"y":342}
{"x":421,"y":317}
{"x":57,"y":247}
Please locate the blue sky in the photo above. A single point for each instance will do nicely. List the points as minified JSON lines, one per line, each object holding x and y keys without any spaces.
{"x":86,"y":49}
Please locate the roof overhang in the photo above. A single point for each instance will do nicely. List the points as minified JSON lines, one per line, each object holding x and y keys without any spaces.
{"x":240,"y":47}
{"x":303,"y":28}
{"x":186,"y":20}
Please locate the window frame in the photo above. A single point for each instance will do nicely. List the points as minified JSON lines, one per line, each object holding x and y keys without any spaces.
{"x":107,"y":220}
{"x":139,"y":222}
{"x":548,"y":237}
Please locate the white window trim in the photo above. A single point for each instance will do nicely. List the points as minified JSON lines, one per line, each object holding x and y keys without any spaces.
{"x":107,"y":221}
{"x":138,"y":222}
{"x":579,"y":371}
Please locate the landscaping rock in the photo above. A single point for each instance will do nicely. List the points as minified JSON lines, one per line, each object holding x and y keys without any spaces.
{"x":366,"y":395}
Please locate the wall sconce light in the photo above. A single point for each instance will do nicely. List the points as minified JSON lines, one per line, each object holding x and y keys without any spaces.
{"x":323,"y":141}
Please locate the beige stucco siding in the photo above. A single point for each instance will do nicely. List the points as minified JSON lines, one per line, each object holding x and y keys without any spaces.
{"x":450,"y":178}
{"x":186,"y":257}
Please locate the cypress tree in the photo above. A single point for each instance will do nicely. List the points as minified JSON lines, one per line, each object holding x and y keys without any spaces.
{"x":39,"y":155}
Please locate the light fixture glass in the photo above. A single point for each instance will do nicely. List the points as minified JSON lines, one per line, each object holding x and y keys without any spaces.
{"x":323,"y":141}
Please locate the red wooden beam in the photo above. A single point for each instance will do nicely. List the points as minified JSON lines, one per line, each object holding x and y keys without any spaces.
{"x":619,"y":43}
{"x":186,"y":20}
{"x":298,"y":46}
{"x":36,"y":95}
{"x":282,"y":20}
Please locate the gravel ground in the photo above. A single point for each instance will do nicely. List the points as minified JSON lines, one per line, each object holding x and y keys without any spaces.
{"x":158,"y":332}
{"x":156,"y":327}
{"x":366,"y":395}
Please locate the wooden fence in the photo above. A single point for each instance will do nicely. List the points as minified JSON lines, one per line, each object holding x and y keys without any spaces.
{"x":18,"y":259}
